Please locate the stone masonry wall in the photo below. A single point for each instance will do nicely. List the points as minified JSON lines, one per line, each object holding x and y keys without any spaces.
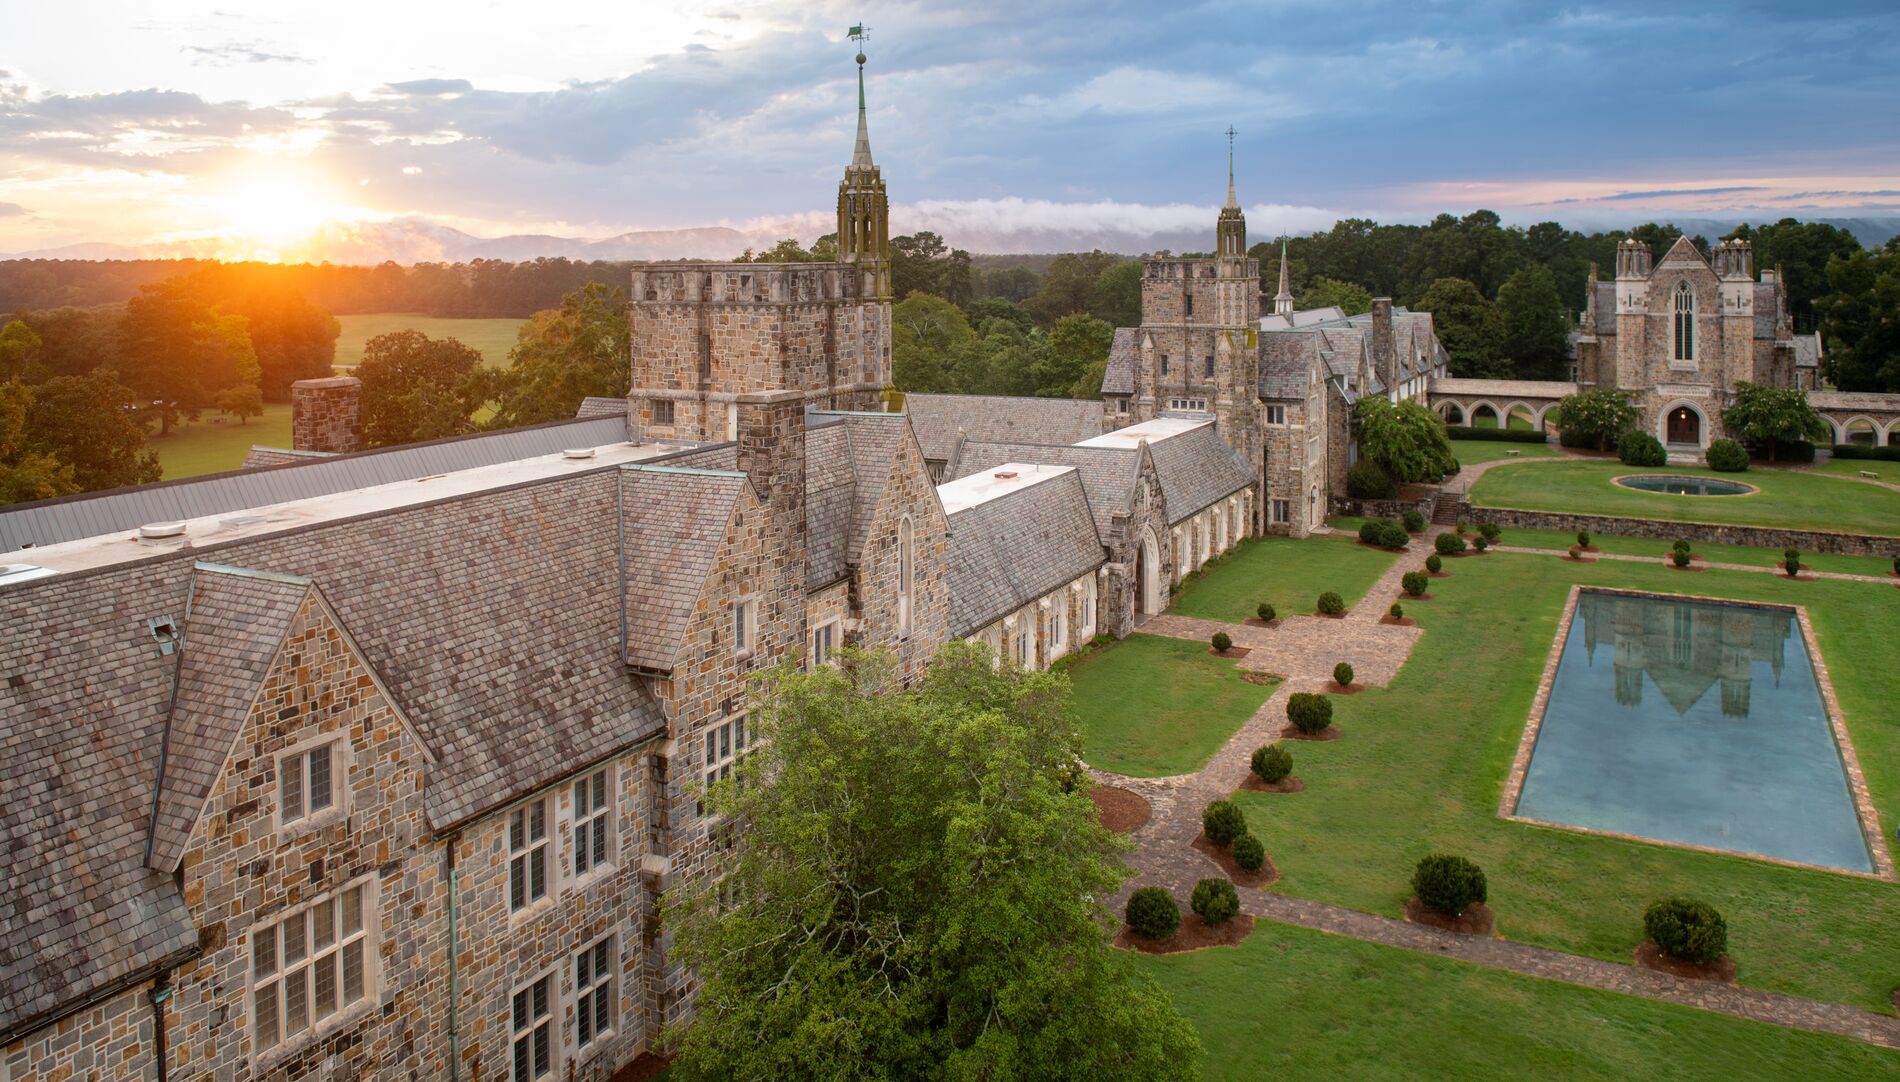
{"x":1120,"y":581}
{"x":106,"y":1042}
{"x":327,"y":414}
{"x":907,"y":493}
{"x":1845,"y":544}
{"x":242,"y":868}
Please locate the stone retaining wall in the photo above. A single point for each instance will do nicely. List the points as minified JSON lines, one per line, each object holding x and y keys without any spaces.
{"x":1844,"y":544}
{"x":1345,"y":505}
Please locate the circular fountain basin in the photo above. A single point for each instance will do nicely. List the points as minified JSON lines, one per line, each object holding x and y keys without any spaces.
{"x":1684,"y":486}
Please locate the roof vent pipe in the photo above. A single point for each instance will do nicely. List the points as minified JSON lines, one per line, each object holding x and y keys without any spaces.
{"x":161,"y":531}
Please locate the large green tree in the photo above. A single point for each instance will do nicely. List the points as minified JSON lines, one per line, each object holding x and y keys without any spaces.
{"x":1536,"y":331}
{"x":82,"y":421}
{"x":922,"y":263}
{"x":565,"y":354}
{"x":26,"y":474}
{"x":1350,"y":297}
{"x":915,"y":890}
{"x":1768,"y":417}
{"x":1860,"y":320}
{"x":1407,"y":440}
{"x":927,"y":334}
{"x":1077,"y":353}
{"x":1594,"y":418}
{"x":1470,"y":328}
{"x":178,"y":351}
{"x":418,"y":388}
{"x":1072,"y":284}
{"x":1800,"y":252}
{"x":19,"y":351}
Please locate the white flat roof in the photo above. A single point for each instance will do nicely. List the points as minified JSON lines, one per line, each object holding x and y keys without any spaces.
{"x":124,"y":546}
{"x":979,"y":488}
{"x":1153,"y":431}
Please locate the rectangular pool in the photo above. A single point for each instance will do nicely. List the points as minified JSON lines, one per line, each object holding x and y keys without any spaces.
{"x":1693,"y":722}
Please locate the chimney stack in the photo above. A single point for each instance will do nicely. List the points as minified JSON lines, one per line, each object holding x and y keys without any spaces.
{"x":327,"y":415}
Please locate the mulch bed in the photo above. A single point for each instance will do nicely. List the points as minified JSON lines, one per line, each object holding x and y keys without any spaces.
{"x":1193,"y":935}
{"x":1255,"y":621}
{"x":1288,"y":784}
{"x":1438,"y":574}
{"x":1477,"y":918}
{"x":1330,"y":615}
{"x":645,"y":1067}
{"x":1400,"y":621}
{"x":1234,"y":652}
{"x":1291,"y":732}
{"x":1591,"y":548}
{"x":1241,"y":876}
{"x":1426,"y":596}
{"x":1118,"y":809}
{"x":1694,"y":557}
{"x":1650,"y":956}
{"x":1333,"y":687}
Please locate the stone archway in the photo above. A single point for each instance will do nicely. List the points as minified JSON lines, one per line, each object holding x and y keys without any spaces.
{"x":1482,"y":410}
{"x":1147,"y":574}
{"x":1452,"y":412}
{"x":1681,"y":424}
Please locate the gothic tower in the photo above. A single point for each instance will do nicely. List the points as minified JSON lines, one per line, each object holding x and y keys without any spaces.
{"x":864,"y":230}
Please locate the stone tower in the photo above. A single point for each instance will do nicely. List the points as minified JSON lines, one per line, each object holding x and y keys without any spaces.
{"x":1197,"y":350}
{"x":864,"y":228}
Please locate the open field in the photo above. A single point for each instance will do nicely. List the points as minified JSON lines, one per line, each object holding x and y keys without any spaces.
{"x":1151,"y":706}
{"x":1423,"y":762}
{"x":1291,"y":1003}
{"x":1286,"y":573}
{"x":1801,"y":501}
{"x":216,"y":442}
{"x":492,"y":338}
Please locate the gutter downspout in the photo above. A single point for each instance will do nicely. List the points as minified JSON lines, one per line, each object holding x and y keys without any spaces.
{"x":455,"y":1044}
{"x":161,"y":991}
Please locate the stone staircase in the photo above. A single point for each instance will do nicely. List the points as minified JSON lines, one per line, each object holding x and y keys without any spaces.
{"x":1447,"y":510}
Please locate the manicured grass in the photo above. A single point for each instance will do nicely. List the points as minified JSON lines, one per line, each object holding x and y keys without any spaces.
{"x":492,"y":338}
{"x":1851,"y":467}
{"x":1151,"y":706}
{"x":1288,"y":574}
{"x":216,"y":442}
{"x":1290,"y":1003}
{"x":1472,"y":452}
{"x":1423,"y":762}
{"x":1722,"y":554}
{"x":1810,"y":501}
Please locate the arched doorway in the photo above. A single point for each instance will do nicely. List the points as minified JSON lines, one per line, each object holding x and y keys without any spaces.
{"x":1147,"y":575}
{"x":1683,"y":425}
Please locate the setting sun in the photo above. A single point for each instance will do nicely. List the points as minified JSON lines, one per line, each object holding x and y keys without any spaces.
{"x":273,"y":207}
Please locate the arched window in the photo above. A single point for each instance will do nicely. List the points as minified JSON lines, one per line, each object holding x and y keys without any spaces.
{"x":906,"y":572}
{"x":1088,"y":607}
{"x":1685,"y":323}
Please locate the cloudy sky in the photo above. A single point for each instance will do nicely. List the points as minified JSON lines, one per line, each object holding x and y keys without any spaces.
{"x":136,"y":123}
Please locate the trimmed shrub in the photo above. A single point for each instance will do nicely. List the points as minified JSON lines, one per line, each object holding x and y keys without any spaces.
{"x":1265,"y":612}
{"x":1686,"y":928}
{"x":1331,"y":604}
{"x":1369,"y":531}
{"x":1794,"y":451}
{"x":1342,"y":674}
{"x":1681,"y":557}
{"x":1490,"y":531}
{"x":1583,"y":538}
{"x":1396,"y":612}
{"x":1793,"y":566}
{"x":1480,"y":543}
{"x":1367,"y":481}
{"x":1447,"y":883}
{"x":1435,"y":564}
{"x":1576,"y":552}
{"x":1271,"y":762}
{"x":1215,"y":900}
{"x":1727,"y":456}
{"x":1393,"y":536}
{"x":1309,"y":713}
{"x":1249,"y":853}
{"x":1681,"y":545}
{"x":1790,"y":554}
{"x":1414,"y":583}
{"x":1640,"y":449}
{"x":1449,"y":544}
{"x":1152,"y":913}
{"x":1463,"y":528}
{"x":1222,"y":822}
{"x":1850,"y":450}
{"x":1412,"y":521}
{"x":1222,"y":641}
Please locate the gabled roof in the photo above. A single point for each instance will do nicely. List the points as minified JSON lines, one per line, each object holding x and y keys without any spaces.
{"x":1119,"y":379}
{"x":1009,"y":551}
{"x":1681,"y":252}
{"x":674,"y":522}
{"x":1197,"y":469}
{"x":937,"y":418}
{"x":1108,"y":473}
{"x":1286,"y":361}
{"x":235,"y":622}
{"x":875,"y":438}
{"x":831,"y":494}
{"x":596,"y":406}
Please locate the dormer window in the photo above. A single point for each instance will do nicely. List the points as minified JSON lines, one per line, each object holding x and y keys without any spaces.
{"x":1684,"y":308}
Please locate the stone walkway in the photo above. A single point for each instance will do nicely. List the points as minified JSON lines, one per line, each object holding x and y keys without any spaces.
{"x":1302,"y":650}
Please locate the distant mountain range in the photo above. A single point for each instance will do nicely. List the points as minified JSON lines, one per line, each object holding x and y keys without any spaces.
{"x":418,"y":240}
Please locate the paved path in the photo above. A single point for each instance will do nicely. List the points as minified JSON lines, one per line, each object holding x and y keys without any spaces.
{"x":1303,"y":650}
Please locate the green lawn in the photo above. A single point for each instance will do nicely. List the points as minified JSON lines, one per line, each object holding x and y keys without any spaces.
{"x":1288,"y":574}
{"x":492,"y":338}
{"x":1471,"y":452}
{"x":1809,"y":501}
{"x":216,"y":442}
{"x":1851,"y":467}
{"x":1291,"y":1003}
{"x":1152,"y":706}
{"x":1423,"y":763}
{"x":1725,"y":554}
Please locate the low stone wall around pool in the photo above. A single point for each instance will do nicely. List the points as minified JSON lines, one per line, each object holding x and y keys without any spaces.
{"x":1765,"y":537}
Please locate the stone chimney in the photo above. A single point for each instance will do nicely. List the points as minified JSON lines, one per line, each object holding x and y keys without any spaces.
{"x":1385,"y":354}
{"x":327,"y":414}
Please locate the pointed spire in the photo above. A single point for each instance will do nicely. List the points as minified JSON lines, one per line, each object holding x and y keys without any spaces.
{"x":1232,"y":203}
{"x":861,"y":155}
{"x":1283,"y":300}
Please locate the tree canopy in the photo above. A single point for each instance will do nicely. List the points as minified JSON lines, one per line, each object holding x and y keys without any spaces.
{"x":418,"y":388}
{"x":916,"y":891}
{"x":1594,"y":418}
{"x":1858,"y":320}
{"x":1406,"y":440}
{"x":1770,"y":416}
{"x":565,"y":354}
{"x":1470,"y":328}
{"x":1536,"y":332}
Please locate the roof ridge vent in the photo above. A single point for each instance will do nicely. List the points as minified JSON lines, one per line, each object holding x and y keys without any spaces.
{"x":161,"y":531}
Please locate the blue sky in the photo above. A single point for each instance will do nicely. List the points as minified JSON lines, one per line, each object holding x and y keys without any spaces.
{"x":142,"y":122}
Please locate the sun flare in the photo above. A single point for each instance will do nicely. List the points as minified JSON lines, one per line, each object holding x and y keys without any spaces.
{"x":272,"y":208}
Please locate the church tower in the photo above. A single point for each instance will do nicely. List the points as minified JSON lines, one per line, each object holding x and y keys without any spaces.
{"x":864,"y":228}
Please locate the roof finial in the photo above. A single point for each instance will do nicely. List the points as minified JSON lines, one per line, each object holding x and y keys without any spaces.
{"x":1283,"y":301}
{"x":1231,"y":201}
{"x":861,"y":155}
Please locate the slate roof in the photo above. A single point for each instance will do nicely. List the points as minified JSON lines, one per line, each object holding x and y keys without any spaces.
{"x":46,"y":522}
{"x":278,"y":456}
{"x":1285,"y":361}
{"x":1807,"y":350}
{"x":1009,"y":551}
{"x":81,"y":732}
{"x":674,"y":522}
{"x":235,"y":622}
{"x":936,"y":418}
{"x":875,"y":438}
{"x":830,"y":500}
{"x":1504,"y":388}
{"x":1119,"y":379}
{"x":1197,"y":469}
{"x":594,"y":406}
{"x":1108,"y":473}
